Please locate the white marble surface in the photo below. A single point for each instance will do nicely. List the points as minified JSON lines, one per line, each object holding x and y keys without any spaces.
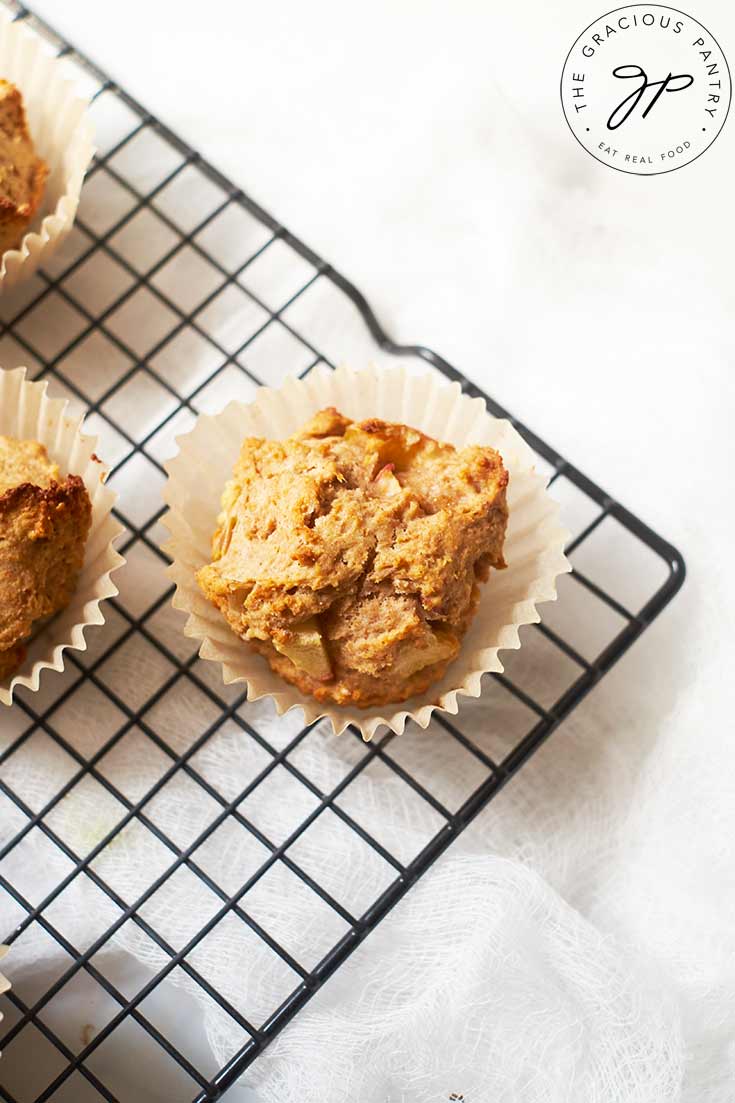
{"x":421,"y":148}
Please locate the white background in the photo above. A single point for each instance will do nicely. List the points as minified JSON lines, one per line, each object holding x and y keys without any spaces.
{"x":421,"y":148}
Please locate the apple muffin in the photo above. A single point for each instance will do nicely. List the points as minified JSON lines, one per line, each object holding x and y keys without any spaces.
{"x":44,"y":524}
{"x":349,"y":555}
{"x":22,"y":173}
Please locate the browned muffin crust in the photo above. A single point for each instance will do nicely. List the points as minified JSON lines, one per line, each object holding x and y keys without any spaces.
{"x":10,"y":660}
{"x":44,"y":524}
{"x":349,"y":554}
{"x":22,"y":173}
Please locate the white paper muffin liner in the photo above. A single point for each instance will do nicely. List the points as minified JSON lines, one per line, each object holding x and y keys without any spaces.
{"x":62,"y":134}
{"x":27,"y":413}
{"x":534,"y":547}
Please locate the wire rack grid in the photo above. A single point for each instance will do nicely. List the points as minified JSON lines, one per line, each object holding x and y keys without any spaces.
{"x":175,"y":293}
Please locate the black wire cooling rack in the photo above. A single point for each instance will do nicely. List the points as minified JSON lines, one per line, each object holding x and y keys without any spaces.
{"x":175,"y":293}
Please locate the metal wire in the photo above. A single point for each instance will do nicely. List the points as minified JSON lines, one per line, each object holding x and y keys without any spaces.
{"x":139,"y":627}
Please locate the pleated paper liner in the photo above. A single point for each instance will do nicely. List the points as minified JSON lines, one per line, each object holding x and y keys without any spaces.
{"x":62,"y":134}
{"x":534,"y":548}
{"x":27,"y":413}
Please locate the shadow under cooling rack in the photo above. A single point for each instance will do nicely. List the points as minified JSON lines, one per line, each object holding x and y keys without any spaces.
{"x":174,"y":294}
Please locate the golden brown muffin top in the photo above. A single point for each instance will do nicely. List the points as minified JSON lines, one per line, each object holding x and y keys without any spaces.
{"x":373,"y":528}
{"x":44,"y":524}
{"x":22,"y":172}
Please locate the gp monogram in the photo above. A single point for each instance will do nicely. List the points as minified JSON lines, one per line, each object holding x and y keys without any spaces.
{"x":645,"y":89}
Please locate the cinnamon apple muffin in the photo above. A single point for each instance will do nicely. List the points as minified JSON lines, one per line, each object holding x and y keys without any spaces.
{"x":22,"y":173}
{"x":349,"y":555}
{"x":44,"y":524}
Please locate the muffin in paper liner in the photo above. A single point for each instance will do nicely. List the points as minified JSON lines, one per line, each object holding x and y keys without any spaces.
{"x":534,"y":546}
{"x":62,"y":134}
{"x":27,"y":413}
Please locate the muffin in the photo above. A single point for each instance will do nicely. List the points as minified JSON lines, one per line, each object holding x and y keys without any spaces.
{"x":39,"y":187}
{"x":44,"y":524}
{"x":349,"y":554}
{"x":22,"y":173}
